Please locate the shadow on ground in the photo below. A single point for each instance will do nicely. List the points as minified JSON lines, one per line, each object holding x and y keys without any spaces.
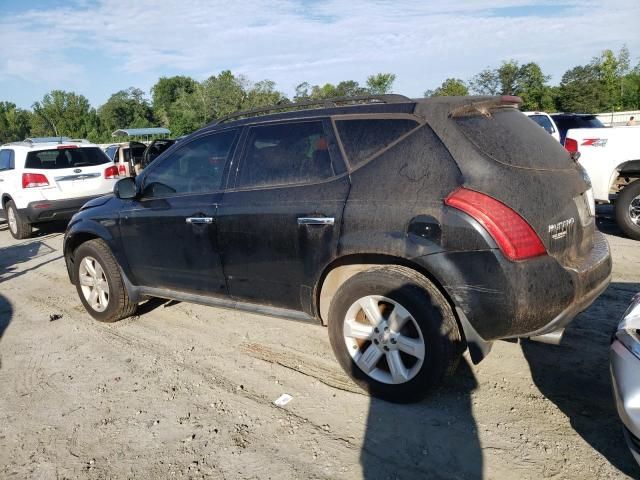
{"x":6,"y":314}
{"x":434,"y":439}
{"x":575,"y":375}
{"x":606,"y":221}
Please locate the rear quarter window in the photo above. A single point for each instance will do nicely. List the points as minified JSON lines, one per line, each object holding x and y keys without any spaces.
{"x":66,"y":158}
{"x":364,"y":138}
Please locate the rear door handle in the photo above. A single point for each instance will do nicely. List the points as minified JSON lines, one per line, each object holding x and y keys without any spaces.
{"x":316,"y":220}
{"x":199,"y":220}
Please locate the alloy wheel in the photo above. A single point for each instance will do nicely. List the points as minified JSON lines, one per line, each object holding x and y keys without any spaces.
{"x":383,"y":339}
{"x":11,"y":219}
{"x":94,"y":284}
{"x":634,"y":210}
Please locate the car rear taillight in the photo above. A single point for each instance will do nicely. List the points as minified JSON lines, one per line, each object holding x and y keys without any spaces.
{"x":64,"y":147}
{"x":122,"y":169}
{"x":30,"y":180}
{"x":515,"y":237}
{"x":111,"y":172}
{"x":571,"y":145}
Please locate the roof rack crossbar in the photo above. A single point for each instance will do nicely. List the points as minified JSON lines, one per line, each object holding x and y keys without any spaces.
{"x":322,"y":103}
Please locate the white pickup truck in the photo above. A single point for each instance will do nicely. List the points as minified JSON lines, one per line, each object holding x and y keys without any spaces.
{"x":611,"y":158}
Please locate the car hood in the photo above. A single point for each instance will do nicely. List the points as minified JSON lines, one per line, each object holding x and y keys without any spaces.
{"x":96,"y":202}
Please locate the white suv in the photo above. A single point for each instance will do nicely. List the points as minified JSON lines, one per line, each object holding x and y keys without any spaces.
{"x":50,"y":179}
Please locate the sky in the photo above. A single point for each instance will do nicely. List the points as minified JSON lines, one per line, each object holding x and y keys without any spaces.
{"x":98,"y":47}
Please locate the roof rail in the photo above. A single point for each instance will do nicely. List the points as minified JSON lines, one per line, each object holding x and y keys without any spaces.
{"x":33,"y":140}
{"x":322,"y":103}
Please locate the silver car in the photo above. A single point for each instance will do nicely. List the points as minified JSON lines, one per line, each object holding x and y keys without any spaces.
{"x":625,"y":370}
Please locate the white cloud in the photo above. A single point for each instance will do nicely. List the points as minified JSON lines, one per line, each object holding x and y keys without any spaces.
{"x":295,"y":41}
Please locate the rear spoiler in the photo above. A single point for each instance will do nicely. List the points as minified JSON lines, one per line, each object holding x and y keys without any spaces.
{"x":485,"y":105}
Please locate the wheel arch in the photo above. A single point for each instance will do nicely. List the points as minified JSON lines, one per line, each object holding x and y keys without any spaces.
{"x":6,"y":198}
{"x":81,"y":232}
{"x":343,"y":268}
{"x":626,"y":173}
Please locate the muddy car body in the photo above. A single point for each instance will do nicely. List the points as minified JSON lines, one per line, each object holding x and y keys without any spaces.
{"x":414,"y":229}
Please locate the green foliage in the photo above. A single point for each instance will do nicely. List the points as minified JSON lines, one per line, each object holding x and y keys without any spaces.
{"x":451,"y":87}
{"x":126,"y":109}
{"x":61,"y":113}
{"x":511,"y":78}
{"x":380,"y":83}
{"x":14,"y":123}
{"x":183,"y":104}
{"x":377,"y":84}
{"x":581,"y":90}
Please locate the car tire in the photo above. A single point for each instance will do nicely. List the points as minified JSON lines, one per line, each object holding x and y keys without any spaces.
{"x":628,"y":210}
{"x":18,"y":226}
{"x":430,"y":332}
{"x":99,"y":283}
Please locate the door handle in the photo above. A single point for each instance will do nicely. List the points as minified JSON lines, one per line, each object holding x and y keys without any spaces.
{"x":316,"y":220}
{"x":199,"y":220}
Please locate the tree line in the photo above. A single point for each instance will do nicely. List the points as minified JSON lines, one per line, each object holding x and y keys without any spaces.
{"x":182,"y":104}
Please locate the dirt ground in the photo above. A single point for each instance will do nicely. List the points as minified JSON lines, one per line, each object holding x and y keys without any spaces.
{"x":185,"y":391}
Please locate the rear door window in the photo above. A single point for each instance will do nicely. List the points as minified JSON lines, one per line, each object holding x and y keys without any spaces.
{"x":284,"y":154}
{"x":364,"y":138}
{"x":196,"y":167}
{"x":60,"y":158}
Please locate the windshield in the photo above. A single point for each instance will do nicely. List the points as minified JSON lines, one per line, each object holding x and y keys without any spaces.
{"x":60,"y":158}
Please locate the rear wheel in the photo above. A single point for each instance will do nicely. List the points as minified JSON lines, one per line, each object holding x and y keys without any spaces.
{"x":628,"y":210}
{"x":99,"y":283}
{"x":18,"y":226}
{"x":394,"y":333}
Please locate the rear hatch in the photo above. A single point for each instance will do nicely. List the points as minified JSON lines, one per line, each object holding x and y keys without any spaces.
{"x":71,"y":171}
{"x":501,"y":153}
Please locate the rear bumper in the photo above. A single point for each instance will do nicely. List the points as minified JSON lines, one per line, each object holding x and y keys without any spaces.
{"x":50,"y":210}
{"x":504,"y":299}
{"x":590,"y":279}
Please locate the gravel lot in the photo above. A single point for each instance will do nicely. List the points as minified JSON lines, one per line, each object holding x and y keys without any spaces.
{"x":184,"y":391}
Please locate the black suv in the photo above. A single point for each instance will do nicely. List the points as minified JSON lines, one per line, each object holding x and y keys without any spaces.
{"x":413,"y":229}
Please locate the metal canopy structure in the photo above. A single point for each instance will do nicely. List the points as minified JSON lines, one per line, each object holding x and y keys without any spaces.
{"x":141,"y":132}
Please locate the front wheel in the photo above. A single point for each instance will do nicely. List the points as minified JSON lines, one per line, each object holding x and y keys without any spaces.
{"x":394,"y":333}
{"x":628,"y":210}
{"x":99,"y":283}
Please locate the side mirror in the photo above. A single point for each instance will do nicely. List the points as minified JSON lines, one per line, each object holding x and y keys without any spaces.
{"x":125,"y":188}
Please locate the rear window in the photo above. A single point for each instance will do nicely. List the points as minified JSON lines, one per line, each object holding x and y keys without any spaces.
{"x":66,"y":158}
{"x":577,"y":121}
{"x":509,"y":137}
{"x":362,"y":139}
